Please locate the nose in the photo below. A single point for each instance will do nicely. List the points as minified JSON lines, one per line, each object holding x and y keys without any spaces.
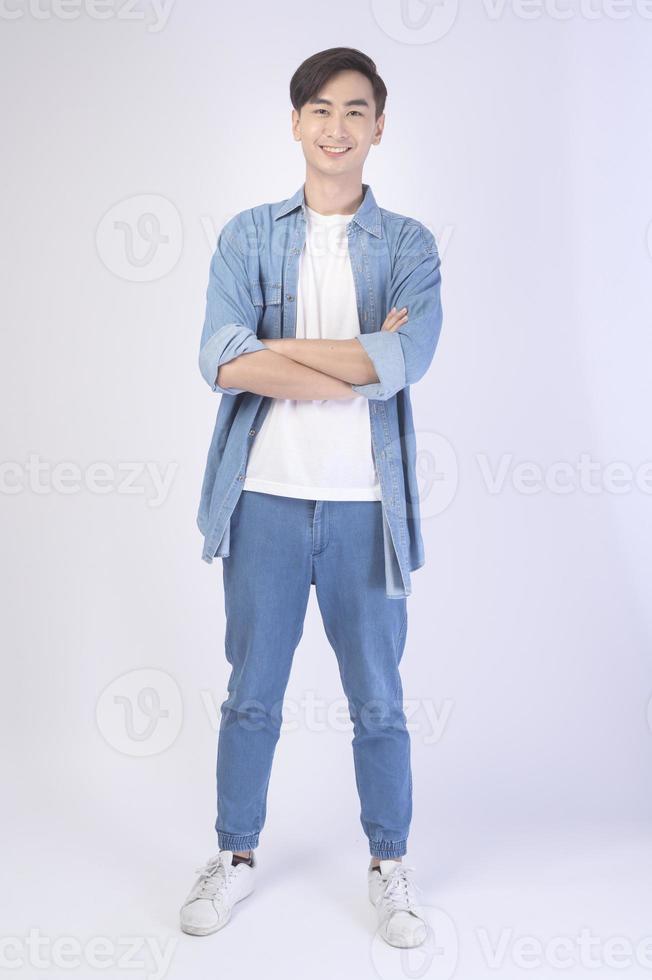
{"x":336,"y":130}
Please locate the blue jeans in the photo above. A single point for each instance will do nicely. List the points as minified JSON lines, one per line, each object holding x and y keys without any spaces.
{"x":280,"y":546}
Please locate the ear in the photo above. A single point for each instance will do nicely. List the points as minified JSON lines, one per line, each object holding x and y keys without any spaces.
{"x":296,"y":127}
{"x":380,"y":125}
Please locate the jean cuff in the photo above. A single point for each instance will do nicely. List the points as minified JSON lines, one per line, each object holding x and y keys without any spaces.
{"x":388,"y":848}
{"x":236,"y":842}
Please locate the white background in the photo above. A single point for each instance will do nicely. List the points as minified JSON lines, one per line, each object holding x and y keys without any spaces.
{"x":519,"y":134}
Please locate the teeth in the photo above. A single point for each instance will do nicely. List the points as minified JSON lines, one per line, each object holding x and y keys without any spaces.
{"x":336,"y":149}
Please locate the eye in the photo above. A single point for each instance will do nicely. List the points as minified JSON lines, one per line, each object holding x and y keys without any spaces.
{"x":354,"y":111}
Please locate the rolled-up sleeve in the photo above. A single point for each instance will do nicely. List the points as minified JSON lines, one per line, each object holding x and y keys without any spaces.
{"x":401,"y":357}
{"x":231,"y":318}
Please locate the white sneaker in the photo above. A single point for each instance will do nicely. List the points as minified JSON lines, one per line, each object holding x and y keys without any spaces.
{"x":401,"y":921}
{"x":219,"y":886}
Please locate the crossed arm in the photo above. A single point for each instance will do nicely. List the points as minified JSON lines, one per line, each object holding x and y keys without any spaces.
{"x":304,"y":368}
{"x":376,"y":364}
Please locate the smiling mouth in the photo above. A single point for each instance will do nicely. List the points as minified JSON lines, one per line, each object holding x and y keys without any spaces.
{"x":335,"y":151}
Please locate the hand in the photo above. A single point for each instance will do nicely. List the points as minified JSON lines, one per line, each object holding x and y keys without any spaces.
{"x":395,"y":319}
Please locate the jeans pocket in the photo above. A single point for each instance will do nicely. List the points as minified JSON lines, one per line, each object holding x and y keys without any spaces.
{"x":400,"y":647}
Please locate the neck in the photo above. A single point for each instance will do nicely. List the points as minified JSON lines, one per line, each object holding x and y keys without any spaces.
{"x":333,"y":195}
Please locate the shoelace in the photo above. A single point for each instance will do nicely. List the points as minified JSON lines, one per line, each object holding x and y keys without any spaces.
{"x":400,"y":892}
{"x":214,"y":877}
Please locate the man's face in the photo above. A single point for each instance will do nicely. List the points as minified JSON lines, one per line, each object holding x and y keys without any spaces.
{"x":342,"y":115}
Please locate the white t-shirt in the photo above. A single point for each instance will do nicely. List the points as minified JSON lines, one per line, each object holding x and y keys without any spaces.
{"x":320,"y":449}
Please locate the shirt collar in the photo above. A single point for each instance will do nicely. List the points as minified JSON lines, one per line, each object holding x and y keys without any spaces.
{"x":367,"y":215}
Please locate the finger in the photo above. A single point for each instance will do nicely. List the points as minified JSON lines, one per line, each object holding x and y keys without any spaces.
{"x":395,"y":318}
{"x":398,"y":322}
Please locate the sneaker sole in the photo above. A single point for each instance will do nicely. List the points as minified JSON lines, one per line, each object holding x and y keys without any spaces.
{"x":199,"y":931}
{"x":401,"y":945}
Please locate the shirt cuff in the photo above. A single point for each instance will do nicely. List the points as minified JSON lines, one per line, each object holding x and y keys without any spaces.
{"x":226,"y":344}
{"x":386,"y":354}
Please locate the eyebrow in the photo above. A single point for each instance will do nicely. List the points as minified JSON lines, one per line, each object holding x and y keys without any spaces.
{"x":350,"y":102}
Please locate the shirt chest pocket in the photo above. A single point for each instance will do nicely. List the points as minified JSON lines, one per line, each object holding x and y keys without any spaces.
{"x":266,"y":297}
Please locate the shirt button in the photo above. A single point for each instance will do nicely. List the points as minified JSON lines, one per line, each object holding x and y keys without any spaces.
{"x":252,"y":432}
{"x":289,"y":298}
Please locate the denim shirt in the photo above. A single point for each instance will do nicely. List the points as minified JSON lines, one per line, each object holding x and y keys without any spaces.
{"x":252,"y":296}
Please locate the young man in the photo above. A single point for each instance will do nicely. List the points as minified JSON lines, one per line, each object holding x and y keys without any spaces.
{"x":322,"y":310}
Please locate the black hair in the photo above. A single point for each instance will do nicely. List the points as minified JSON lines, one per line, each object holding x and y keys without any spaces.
{"x":313,"y":73}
